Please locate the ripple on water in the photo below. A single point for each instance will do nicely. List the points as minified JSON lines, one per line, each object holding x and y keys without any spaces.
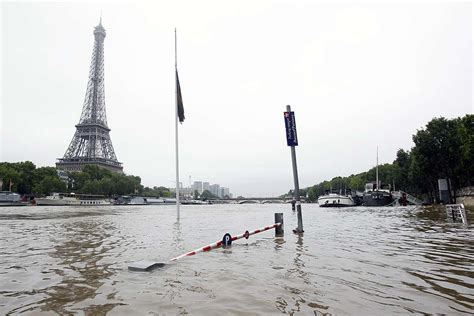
{"x":349,"y":261}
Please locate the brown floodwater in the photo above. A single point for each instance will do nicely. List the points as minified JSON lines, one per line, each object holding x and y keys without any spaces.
{"x":364,"y":261}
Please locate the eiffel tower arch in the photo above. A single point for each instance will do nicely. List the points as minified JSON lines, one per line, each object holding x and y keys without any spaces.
{"x":91,"y":144}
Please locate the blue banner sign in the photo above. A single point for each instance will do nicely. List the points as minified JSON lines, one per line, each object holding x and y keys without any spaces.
{"x":290,"y":125}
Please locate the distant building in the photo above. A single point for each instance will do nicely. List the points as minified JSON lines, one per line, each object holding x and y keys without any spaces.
{"x":215,"y":189}
{"x":197,"y":186}
{"x":201,"y":186}
{"x":226,"y":192}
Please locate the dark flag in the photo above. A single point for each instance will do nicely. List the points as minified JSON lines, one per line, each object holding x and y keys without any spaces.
{"x":179,"y":100}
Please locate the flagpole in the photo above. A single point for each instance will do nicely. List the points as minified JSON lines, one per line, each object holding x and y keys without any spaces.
{"x":176,"y":121}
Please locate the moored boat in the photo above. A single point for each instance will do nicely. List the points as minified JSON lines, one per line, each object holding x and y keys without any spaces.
{"x":93,"y":200}
{"x":336,"y":200}
{"x":71,"y":199}
{"x":374,"y":196}
{"x":161,"y":201}
{"x":130,"y":200}
{"x":8,"y":198}
{"x":59,"y":199}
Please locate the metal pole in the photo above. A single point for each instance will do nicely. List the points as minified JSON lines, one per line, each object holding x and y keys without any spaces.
{"x":176,"y":122}
{"x":299,"y":229}
{"x":279,"y":230}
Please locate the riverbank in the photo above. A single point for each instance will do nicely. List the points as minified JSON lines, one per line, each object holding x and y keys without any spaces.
{"x":466,"y":197}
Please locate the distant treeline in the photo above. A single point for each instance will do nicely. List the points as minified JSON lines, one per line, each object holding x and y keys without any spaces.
{"x":27,"y":179}
{"x":443,"y":149}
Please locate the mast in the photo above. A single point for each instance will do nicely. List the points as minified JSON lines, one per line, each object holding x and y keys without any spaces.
{"x":377,"y":171}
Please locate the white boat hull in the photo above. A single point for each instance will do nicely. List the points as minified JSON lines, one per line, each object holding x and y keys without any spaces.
{"x":60,"y":199}
{"x":8,"y":198}
{"x":63,"y":202}
{"x":58,"y":202}
{"x":94,"y":202}
{"x":335,"y":200}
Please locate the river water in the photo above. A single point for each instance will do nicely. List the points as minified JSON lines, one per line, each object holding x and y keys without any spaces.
{"x":363,"y":261}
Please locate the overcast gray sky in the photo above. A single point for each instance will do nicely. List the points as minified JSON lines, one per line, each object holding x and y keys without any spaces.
{"x":357,"y":76}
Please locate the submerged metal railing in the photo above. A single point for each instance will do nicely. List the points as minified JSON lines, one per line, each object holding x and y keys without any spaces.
{"x":456,"y":213}
{"x":410,"y":198}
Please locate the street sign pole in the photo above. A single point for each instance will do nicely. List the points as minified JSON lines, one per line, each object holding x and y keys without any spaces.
{"x":292,"y":141}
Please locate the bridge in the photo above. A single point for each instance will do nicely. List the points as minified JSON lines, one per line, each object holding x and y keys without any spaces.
{"x":256,"y":200}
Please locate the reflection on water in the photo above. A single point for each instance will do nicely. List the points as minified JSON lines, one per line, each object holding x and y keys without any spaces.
{"x":349,"y":261}
{"x":299,"y":298}
{"x":69,"y":266}
{"x":177,"y":238}
{"x":79,"y":251}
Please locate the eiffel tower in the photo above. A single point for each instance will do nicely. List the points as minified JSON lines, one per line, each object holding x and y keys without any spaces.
{"x":91,"y":144}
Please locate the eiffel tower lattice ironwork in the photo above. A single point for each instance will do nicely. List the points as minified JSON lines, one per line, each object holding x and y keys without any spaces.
{"x":91,"y":144}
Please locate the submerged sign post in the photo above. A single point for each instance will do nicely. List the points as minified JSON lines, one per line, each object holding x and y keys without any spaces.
{"x":292,"y":141}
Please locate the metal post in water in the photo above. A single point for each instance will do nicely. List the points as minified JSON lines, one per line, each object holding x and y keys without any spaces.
{"x":292,"y":141}
{"x":279,"y":231}
{"x":176,"y":123}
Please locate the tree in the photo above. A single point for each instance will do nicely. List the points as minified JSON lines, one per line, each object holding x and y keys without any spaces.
{"x":48,"y":185}
{"x":207,"y":195}
{"x":465,"y":169}
{"x":157,"y":192}
{"x":7,"y":174}
{"x":356,"y":182}
{"x":90,"y":187}
{"x":402,"y":164}
{"x":26,"y":179}
{"x":313,"y":193}
{"x":443,"y":149}
{"x":438,"y":149}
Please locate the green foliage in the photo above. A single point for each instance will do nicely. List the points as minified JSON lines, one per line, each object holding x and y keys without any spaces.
{"x":443,"y":149}
{"x":96,"y":180}
{"x":465,"y":169}
{"x":207,"y":195}
{"x":302,"y":192}
{"x":27,"y":179}
{"x":157,"y":192}
{"x":49,"y":184}
{"x":8,"y":173}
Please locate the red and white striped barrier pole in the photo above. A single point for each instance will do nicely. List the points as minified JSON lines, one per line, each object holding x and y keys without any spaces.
{"x":219,"y":243}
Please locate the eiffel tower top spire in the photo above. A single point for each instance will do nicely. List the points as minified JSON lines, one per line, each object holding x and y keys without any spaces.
{"x":94,"y":103}
{"x":91,"y":143}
